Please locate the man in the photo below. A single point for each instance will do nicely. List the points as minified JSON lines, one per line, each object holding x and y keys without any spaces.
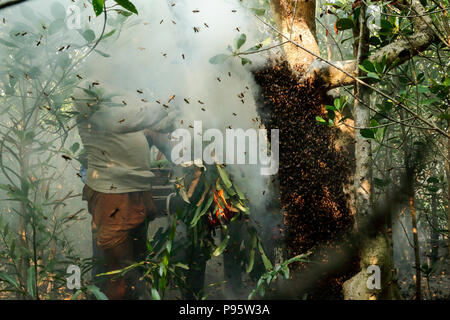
{"x":114,"y":131}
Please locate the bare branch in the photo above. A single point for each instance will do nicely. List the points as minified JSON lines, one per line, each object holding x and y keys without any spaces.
{"x":397,"y":52}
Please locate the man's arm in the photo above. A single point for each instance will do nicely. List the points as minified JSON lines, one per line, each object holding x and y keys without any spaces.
{"x":120,"y":114}
{"x":161,"y":141}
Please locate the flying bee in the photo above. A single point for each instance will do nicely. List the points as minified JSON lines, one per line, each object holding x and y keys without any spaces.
{"x":186,"y":100}
{"x":171,"y":98}
{"x":67,"y":158}
{"x":229,"y":73}
{"x":242,"y":100}
{"x":164,"y":54}
{"x":203,"y":109}
{"x":182,"y":55}
{"x":195,"y":11}
{"x":181,"y":121}
{"x":191,"y":127}
{"x":38,"y":43}
{"x":196,"y":30}
{"x":24,"y":34}
{"x":124,"y":103}
{"x":174,"y":22}
{"x":4,"y":21}
{"x":140,"y":91}
{"x":234,"y":11}
{"x":218,"y":79}
{"x":95,"y":83}
{"x":158,"y":102}
{"x":206,"y":25}
{"x":60,"y":49}
{"x":201,"y":102}
{"x":161,"y":21}
{"x":72,"y":97}
{"x":234,"y":114}
{"x":44,"y":27}
{"x":79,"y":77}
{"x":165,"y":106}
{"x":238,"y":30}
{"x":229,"y":127}
{"x":91,"y":104}
{"x":89,"y":18}
{"x":17,"y":34}
{"x":121,"y":120}
{"x":27,"y":76}
{"x":144,"y":100}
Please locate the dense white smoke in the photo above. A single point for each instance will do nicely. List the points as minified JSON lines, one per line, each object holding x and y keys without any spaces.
{"x":164,"y":53}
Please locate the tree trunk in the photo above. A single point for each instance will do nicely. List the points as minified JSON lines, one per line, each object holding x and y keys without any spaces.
{"x":416,"y":246}
{"x":447,"y":167}
{"x":376,"y":251}
{"x":434,"y":232}
{"x":296,"y":18}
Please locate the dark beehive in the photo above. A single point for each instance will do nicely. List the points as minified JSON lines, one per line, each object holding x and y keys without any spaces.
{"x":312,"y":172}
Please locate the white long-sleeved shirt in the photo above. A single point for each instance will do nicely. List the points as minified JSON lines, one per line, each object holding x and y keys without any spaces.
{"x":112,"y":134}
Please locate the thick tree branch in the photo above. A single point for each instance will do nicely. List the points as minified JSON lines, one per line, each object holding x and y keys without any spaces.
{"x":396,"y":52}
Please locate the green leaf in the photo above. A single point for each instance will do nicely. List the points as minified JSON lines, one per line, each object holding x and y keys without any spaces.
{"x":76,"y":294}
{"x":98,"y":6}
{"x":221,"y":247}
{"x":224,"y":177}
{"x":266,"y":261}
{"x":321,"y":120}
{"x":367,"y":133}
{"x":254,"y":48}
{"x":385,"y":24}
{"x":127,"y":5}
{"x":199,"y":212}
{"x":155,"y":294}
{"x":344,"y":24}
{"x":218,"y":59}
{"x":240,"y":40}
{"x":58,"y":11}
{"x":6,"y":277}
{"x":246,"y":61}
{"x":96,"y":292}
{"x":367,"y":66}
{"x":74,"y":148}
{"x":102,"y":53}
{"x":88,"y":35}
{"x":258,"y":12}
{"x":56,"y":26}
{"x":31,"y":282}
{"x":181,"y":265}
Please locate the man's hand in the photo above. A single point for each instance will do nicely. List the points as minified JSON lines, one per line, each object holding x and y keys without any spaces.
{"x":160,"y":140}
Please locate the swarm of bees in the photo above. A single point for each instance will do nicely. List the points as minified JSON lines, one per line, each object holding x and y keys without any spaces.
{"x":311,"y":171}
